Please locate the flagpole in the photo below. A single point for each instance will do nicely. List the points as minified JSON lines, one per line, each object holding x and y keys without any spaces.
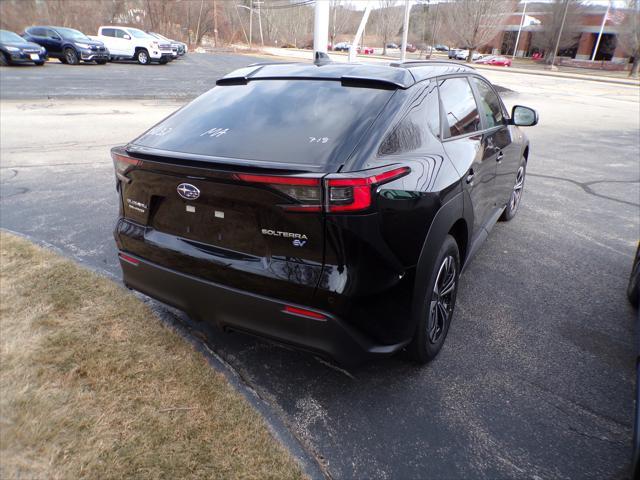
{"x":515,"y":49}
{"x":604,"y":20}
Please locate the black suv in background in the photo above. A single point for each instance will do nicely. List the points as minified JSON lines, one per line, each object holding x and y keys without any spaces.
{"x":68,"y":45}
{"x":330,"y":207}
{"x":15,"y":49}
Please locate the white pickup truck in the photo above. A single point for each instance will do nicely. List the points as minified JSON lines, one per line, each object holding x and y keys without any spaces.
{"x":134,"y":44}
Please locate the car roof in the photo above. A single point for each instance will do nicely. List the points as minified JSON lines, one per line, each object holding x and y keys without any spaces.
{"x":394,"y":75}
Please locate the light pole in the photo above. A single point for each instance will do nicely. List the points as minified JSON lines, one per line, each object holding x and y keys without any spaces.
{"x":604,"y":20}
{"x":320,"y":27}
{"x":405,"y":31}
{"x":250,"y":21}
{"x":515,"y":49}
{"x":555,"y":50}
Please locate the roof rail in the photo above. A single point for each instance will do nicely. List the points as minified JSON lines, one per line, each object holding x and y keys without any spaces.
{"x":417,"y":63}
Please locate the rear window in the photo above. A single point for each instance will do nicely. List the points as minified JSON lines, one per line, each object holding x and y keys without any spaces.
{"x":303,"y":122}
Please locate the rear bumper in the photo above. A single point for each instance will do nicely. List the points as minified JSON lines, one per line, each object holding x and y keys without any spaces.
{"x":90,"y":55}
{"x":236,"y":310}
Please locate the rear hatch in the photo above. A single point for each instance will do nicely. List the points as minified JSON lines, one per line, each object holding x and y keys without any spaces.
{"x":230,"y":189}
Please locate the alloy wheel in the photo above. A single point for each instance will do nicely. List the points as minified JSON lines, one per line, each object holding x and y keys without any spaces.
{"x":442,"y":299}
{"x":71,"y":56}
{"x":143,"y":58}
{"x":516,"y":194}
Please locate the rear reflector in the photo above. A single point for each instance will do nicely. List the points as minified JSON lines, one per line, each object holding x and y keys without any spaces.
{"x":128,"y":259}
{"x":303,"y":312}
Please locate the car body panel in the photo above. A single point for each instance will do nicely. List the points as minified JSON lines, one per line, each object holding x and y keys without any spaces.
{"x":124,"y":42}
{"x":56,"y":40}
{"x":18,"y":50}
{"x":359,"y":271}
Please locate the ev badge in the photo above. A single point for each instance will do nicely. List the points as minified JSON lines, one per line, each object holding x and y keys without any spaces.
{"x":299,"y":243}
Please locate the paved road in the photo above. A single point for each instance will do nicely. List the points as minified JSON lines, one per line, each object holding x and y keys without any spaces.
{"x":183,"y":78}
{"x":536,"y":378}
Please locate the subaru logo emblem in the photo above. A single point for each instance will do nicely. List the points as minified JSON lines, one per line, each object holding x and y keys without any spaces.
{"x":188,"y":191}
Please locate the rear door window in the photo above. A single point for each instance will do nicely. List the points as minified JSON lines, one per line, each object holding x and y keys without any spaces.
{"x":489,"y":103}
{"x":460,"y":112}
{"x":298,"y":122}
{"x":108,"y":32}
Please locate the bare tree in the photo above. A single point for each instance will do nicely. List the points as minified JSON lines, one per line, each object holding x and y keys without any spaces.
{"x":545,"y":39}
{"x":387,"y":21}
{"x":473,"y":23}
{"x":629,"y":36}
{"x":340,"y":19}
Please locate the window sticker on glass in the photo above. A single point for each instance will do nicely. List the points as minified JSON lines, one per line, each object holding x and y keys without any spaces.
{"x":159,"y":131}
{"x":214,"y":132}
{"x":318,"y":139}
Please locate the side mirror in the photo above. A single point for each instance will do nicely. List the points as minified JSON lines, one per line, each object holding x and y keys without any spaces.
{"x":524,"y":116}
{"x":127,"y":37}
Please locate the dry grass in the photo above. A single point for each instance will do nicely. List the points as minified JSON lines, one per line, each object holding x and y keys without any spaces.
{"x":92,"y":385}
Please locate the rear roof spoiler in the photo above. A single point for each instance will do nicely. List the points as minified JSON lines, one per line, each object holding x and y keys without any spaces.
{"x":346,"y":80}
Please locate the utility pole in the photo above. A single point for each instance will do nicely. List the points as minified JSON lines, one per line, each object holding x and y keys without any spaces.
{"x":198,"y":26}
{"x":320,"y":27}
{"x":405,"y":30}
{"x":555,"y":50}
{"x":515,"y":49}
{"x":434,"y":31}
{"x":250,"y":23}
{"x":604,"y":20}
{"x":260,"y":22}
{"x":215,"y":25}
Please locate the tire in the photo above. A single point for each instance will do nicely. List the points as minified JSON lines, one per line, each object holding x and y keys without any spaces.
{"x":101,"y":62}
{"x":4,"y":61}
{"x":163,"y":61}
{"x":63,"y":60}
{"x":516,"y":194}
{"x":633,"y":288}
{"x":39,"y":63}
{"x":71,"y":56}
{"x":142,"y":56}
{"x":436,"y":309}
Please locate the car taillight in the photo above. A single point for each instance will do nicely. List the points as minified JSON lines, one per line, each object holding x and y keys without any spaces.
{"x":306,"y":190}
{"x":354,"y":193}
{"x":342,"y":193}
{"x":123,"y":162}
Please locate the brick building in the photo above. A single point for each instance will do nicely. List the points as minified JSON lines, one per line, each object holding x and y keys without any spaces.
{"x":579,"y":41}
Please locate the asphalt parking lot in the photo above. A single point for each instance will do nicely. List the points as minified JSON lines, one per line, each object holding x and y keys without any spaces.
{"x":536,"y":379}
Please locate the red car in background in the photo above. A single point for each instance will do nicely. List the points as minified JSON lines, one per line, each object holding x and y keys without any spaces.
{"x":365,"y":51}
{"x":496,"y":60}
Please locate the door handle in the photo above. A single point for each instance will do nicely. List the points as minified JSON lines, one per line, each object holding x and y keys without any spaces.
{"x":499,"y":156}
{"x":470,"y":176}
